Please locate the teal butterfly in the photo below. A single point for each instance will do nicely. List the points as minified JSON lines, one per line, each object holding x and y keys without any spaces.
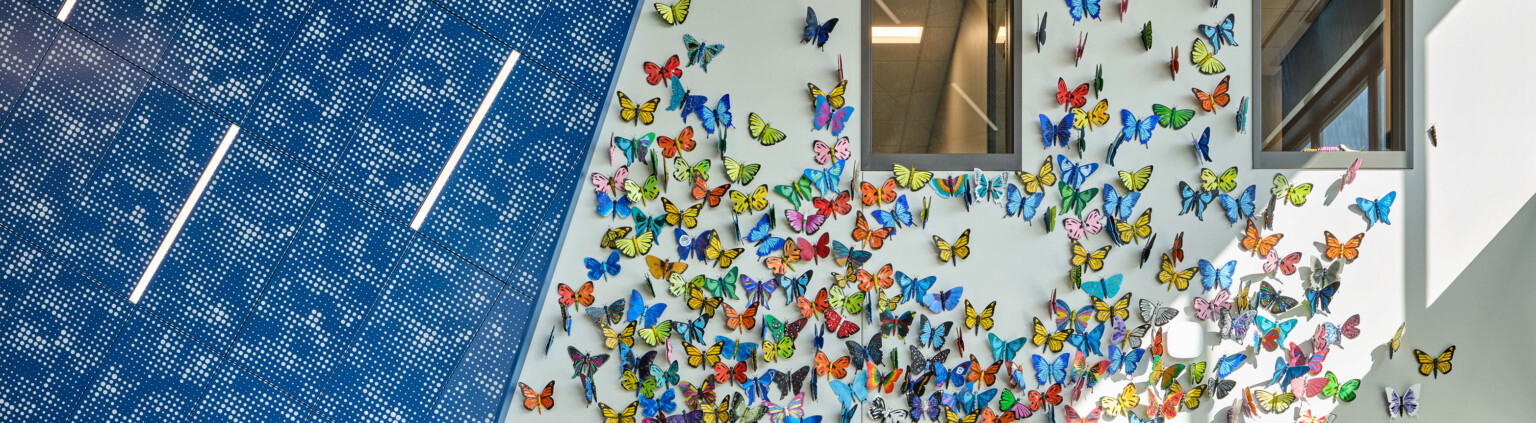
{"x":701,"y":53}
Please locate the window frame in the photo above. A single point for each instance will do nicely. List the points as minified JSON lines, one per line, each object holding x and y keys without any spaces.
{"x":871,"y":161}
{"x":1398,"y":43}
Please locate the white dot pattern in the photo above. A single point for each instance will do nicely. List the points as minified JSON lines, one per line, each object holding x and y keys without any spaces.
{"x":226,"y":48}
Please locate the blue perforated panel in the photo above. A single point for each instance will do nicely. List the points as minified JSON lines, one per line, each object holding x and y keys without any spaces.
{"x":25,"y":35}
{"x":139,"y":30}
{"x":315,"y":304}
{"x":226,"y":48}
{"x":153,"y":373}
{"x":249,"y":215}
{"x":581,"y":40}
{"x":474,"y":392}
{"x":236,"y":396}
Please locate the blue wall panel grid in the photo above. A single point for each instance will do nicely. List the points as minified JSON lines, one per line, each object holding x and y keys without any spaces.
{"x":59,"y":129}
{"x":413,"y":338}
{"x":581,"y":41}
{"x":474,"y":392}
{"x":55,"y":329}
{"x":414,"y":124}
{"x":139,"y":30}
{"x":236,"y":396}
{"x":338,"y":61}
{"x":315,"y":305}
{"x":226,"y":49}
{"x":153,"y":373}
{"x":25,"y":35}
{"x":249,"y":214}
{"x":139,"y":186}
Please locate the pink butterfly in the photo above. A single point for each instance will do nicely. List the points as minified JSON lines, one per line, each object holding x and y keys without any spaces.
{"x":838,"y":150}
{"x":1286,"y":265}
{"x":1209,"y":310}
{"x":806,"y":223}
{"x":611,"y":185}
{"x":1307,"y":388}
{"x":1349,"y":175}
{"x":1090,"y":225}
{"x":1314,"y":363}
{"x":614,"y":152}
{"x":833,"y":120}
{"x":795,"y":409}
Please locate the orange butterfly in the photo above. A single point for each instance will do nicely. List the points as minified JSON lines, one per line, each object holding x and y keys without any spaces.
{"x":1157,"y":343}
{"x":1349,"y":250}
{"x":839,"y":206}
{"x":776,"y":265}
{"x":1178,"y":248}
{"x":882,"y":278}
{"x":711,"y":196}
{"x":1256,"y":245}
{"x":862,"y":233}
{"x":671,"y":146}
{"x":810,"y":308}
{"x":838,"y":369}
{"x":792,"y":253}
{"x":1217,"y":98}
{"x":534,"y":400}
{"x":664,"y":269}
{"x":583,"y":296}
{"x":1174,"y":63}
{"x":878,"y":197}
{"x":744,"y":320}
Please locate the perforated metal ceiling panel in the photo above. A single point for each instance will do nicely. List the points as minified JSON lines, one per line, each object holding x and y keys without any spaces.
{"x":247,"y":171}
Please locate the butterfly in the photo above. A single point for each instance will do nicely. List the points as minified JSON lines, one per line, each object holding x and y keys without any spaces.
{"x":953,"y":186}
{"x":866,"y":353}
{"x":1122,"y":405}
{"x":839,"y":205}
{"x":1090,"y":119}
{"x":688,"y":218}
{"x":1080,"y":7}
{"x":910,"y":177}
{"x":952,"y":253}
{"x":1405,"y":405}
{"x":716,"y":118}
{"x":1075,"y":175}
{"x":1295,"y":194}
{"x":642,"y":193}
{"x":876,"y":197}
{"x":1212,"y":277}
{"x":656,"y":74}
{"x":1320,"y":298}
{"x":626,"y":416}
{"x":1125,"y":232}
{"x":1195,"y":201}
{"x":1226,"y":182}
{"x":1210,"y":309}
{"x":1437,"y":365}
{"x":619,"y":207}
{"x":1397,"y":340}
{"x":1081,"y":257}
{"x":1205,"y":59}
{"x":762,"y":131}
{"x":663,"y":404}
{"x":1077,"y":54}
{"x":635,"y":245}
{"x":1048,"y":371}
{"x":1269,"y":298}
{"x":931,"y":335}
{"x":1040,"y":34}
{"x":874,"y":238}
{"x":1037,"y":182}
{"x":739,"y":172}
{"x":1242,"y":117}
{"x":891,"y":325}
{"x":1154,"y":313}
{"x":828,"y":117}
{"x":942,"y":301}
{"x":817,"y":32}
{"x":1079,"y":229}
{"x":979,"y":321}
{"x":840,"y":150}
{"x":834,"y":98}
{"x":1103,"y":311}
{"x":714,"y":252}
{"x":1133,"y":129}
{"x":613,"y":186}
{"x":1239,"y":207}
{"x":1216,"y":98}
{"x":536,"y":400}
{"x":1348,"y":250}
{"x":1166,"y":408}
{"x":1146,"y":34}
{"x":755,"y":202}
{"x":1015,"y":202}
{"x":646,"y":113}
{"x":585,"y":365}
{"x":1270,"y":334}
{"x":804,"y":223}
{"x":673,"y":14}
{"x":1376,"y":211}
{"x":1286,"y":265}
{"x":701,"y":53}
{"x":1221,"y":33}
{"x":1075,"y":97}
{"x":1272,"y":402}
{"x":1331,"y":334}
{"x":988,"y":189}
{"x":839,"y":326}
{"x":1256,"y":245}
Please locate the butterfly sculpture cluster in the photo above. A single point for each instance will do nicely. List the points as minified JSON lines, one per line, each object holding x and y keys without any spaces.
{"x":892,"y":344}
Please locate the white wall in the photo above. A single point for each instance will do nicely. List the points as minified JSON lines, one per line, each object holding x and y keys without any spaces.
{"x":765,"y":69}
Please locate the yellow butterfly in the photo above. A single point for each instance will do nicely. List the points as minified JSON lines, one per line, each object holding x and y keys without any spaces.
{"x":743,"y":203}
{"x":888,"y":303}
{"x":646,"y":112}
{"x":1397,"y":340}
{"x":1136,"y":181}
{"x":961,"y":248}
{"x":1034,"y":183}
{"x":628,"y":416}
{"x":1296,"y":194}
{"x":1095,"y":261}
{"x":721,"y":256}
{"x":1205,"y":59}
{"x":1271,"y":402}
{"x":1115,"y":406}
{"x":911,"y":178}
{"x":834,"y":98}
{"x":1121,"y":309}
{"x":982,"y":320}
{"x":760,"y":130}
{"x":674,"y":14}
{"x":684,"y":172}
{"x":706,"y":358}
{"x":784,"y":348}
{"x":1434,"y":365}
{"x":655,"y":335}
{"x":696,"y":299}
{"x":1098,"y":117}
{"x":1226,"y":182}
{"x":612,"y":339}
{"x":688,"y":217}
{"x":1054,"y":342}
{"x":1175,"y":278}
{"x":1191,"y":397}
{"x":739,"y":172}
{"x":610,"y":239}
{"x":636,"y":245}
{"x":1134,"y":232}
{"x":641,"y":194}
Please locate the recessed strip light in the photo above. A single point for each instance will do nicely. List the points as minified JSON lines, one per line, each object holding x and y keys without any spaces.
{"x":895,"y":34}
{"x":888,"y":13}
{"x":469,"y":133}
{"x":974,"y":107}
{"x":64,"y":11}
{"x":186,"y":212}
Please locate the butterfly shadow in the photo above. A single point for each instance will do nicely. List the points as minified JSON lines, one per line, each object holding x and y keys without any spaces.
{"x":1333,"y":192}
{"x":1253,"y":277}
{"x":1355,"y":208}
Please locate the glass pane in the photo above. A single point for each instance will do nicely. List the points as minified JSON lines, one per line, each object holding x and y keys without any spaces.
{"x":942,"y":76}
{"x":1323,"y":66}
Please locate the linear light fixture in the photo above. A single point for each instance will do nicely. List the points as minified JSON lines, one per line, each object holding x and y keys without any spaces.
{"x":186,"y":212}
{"x":895,"y":34}
{"x":888,"y":13}
{"x":469,"y":133}
{"x":974,"y":107}
{"x":69,"y":5}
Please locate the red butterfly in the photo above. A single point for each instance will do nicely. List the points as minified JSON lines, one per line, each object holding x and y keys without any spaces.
{"x":725,"y":373}
{"x":1074,"y":98}
{"x":711,"y":196}
{"x":1051,"y":396}
{"x":817,"y":251}
{"x":658,"y":75}
{"x":836,"y":324}
{"x":839,"y":206}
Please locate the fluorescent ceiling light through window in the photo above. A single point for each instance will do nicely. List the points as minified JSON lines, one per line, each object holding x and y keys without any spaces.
{"x":896,"y":34}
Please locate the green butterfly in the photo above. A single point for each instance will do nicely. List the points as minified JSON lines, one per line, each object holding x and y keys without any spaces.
{"x":1075,"y":200}
{"x":1146,"y":36}
{"x":725,"y":286}
{"x":1172,"y":116}
{"x":796,"y":192}
{"x":1050,"y":219}
{"x":1296,"y":194}
{"x":686,"y":173}
{"x":1098,"y":81}
{"x":1344,"y":391}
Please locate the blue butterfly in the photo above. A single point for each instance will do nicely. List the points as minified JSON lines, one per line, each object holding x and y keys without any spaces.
{"x":971,"y":402}
{"x":1195,"y":201}
{"x":827,"y":180}
{"x":1118,"y":206}
{"x":1005,"y":351}
{"x":602,"y":269}
{"x":914,"y":288}
{"x":1074,"y":175}
{"x":637,"y":309}
{"x":900,"y":215}
{"x":1319,"y":299}
{"x":850,"y":395}
{"x":687,"y":245}
{"x":1045,"y":372}
{"x":1088,"y":342}
{"x":720,"y":115}
{"x":1241,"y":207}
{"x":989,"y":189}
{"x":693,"y":330}
{"x":611,"y":207}
{"x":943,"y":301}
{"x":664,"y":403}
{"x":1221,"y":33}
{"x":795,"y":288}
{"x":701,"y":53}
{"x":1203,"y":146}
{"x":1016,"y":203}
{"x":738,"y":351}
{"x":760,"y":384}
{"x":1377,"y":211}
{"x":1285,"y":372}
{"x":1128,"y":360}
{"x":1133,"y":129}
{"x":685,"y":99}
{"x":814,"y":32}
{"x":1079,"y":7}
{"x":932,"y":336}
{"x":1104,"y":288}
{"x":1228,"y":364}
{"x":1114,"y":149}
{"x":1211,"y":277}
{"x":1264,"y":325}
{"x":1061,"y":132}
